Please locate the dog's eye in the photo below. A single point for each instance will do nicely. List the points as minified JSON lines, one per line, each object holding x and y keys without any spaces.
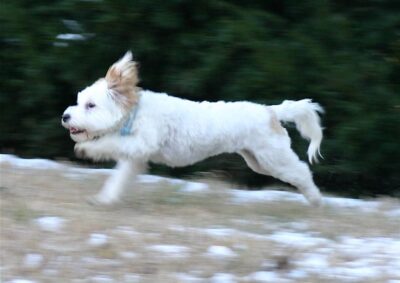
{"x":90,"y":105}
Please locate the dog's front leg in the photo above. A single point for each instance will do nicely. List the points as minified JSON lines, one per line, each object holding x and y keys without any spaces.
{"x":125,"y":171}
{"x":131,"y":154}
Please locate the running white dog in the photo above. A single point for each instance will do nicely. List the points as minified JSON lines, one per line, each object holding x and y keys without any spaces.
{"x":115,"y":120}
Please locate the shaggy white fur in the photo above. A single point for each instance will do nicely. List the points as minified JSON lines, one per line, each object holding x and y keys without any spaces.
{"x":178,"y":132}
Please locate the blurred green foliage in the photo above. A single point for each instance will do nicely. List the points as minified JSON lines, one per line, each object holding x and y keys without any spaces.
{"x":343,"y":54}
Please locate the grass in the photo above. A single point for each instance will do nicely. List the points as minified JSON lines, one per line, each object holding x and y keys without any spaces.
{"x":156,"y":214}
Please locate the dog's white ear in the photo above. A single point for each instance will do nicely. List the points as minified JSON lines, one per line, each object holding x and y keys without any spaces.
{"x":122,"y":79}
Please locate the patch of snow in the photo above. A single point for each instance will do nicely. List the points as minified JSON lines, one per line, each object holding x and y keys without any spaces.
{"x":50,"y":223}
{"x":299,"y":240}
{"x":393,"y":268}
{"x":246,"y":196}
{"x":223,"y":278}
{"x":393,"y":213}
{"x":33,"y":261}
{"x":243,"y":196}
{"x":367,"y":206}
{"x":220,"y":252}
{"x":263,"y":276}
{"x":70,"y":36}
{"x":97,"y":240}
{"x":364,"y":247}
{"x":298,"y":274}
{"x":313,"y":261}
{"x":148,"y":179}
{"x":152,"y":179}
{"x":194,"y":187}
{"x":90,"y":171}
{"x":34,"y":163}
{"x":172,"y":250}
{"x":363,"y":273}
{"x":174,"y":181}
{"x":21,"y":281}
{"x":184,"y":277}
{"x":101,"y":279}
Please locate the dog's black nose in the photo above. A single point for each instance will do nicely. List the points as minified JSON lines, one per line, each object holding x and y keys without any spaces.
{"x":66,"y":117}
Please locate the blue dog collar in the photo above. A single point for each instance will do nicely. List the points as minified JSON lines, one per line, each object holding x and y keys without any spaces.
{"x":126,"y":129}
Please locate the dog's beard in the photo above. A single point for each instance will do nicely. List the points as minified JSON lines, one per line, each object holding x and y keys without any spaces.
{"x":82,"y":137}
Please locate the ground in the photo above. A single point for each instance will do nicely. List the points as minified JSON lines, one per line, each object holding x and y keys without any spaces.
{"x":169,"y":230}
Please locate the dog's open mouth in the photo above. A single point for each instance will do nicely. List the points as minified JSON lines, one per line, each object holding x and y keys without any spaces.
{"x":75,"y":131}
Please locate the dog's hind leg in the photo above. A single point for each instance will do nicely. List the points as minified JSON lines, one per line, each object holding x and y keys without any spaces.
{"x":252,"y":162}
{"x":282,"y":163}
{"x":125,"y":171}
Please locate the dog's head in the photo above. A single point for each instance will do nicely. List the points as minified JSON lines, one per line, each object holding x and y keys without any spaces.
{"x":103,"y":106}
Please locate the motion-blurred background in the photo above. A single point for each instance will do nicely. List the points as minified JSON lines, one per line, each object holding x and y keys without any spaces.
{"x":343,"y":54}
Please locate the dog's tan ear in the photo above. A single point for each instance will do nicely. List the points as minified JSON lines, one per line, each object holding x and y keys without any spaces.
{"x":122,"y":79}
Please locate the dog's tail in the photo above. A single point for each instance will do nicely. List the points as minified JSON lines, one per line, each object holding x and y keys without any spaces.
{"x":304,"y":113}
